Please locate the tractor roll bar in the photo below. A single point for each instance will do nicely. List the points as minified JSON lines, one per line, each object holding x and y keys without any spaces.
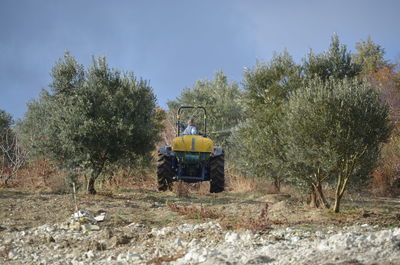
{"x":178,"y":116}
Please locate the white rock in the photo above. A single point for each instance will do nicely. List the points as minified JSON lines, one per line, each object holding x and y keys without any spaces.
{"x":178,"y":242}
{"x":247,"y":236}
{"x":231,"y":237}
{"x":12,"y":254}
{"x":89,"y":254}
{"x":90,"y":227}
{"x":101,"y":217}
{"x":193,"y":243}
{"x":84,"y":215}
{"x":295,"y":238}
{"x":121,"y":257}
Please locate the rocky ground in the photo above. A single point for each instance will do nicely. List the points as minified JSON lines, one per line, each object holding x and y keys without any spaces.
{"x":145,"y":227}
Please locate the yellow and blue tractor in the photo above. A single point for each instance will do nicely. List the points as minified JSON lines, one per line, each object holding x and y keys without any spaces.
{"x":191,"y":158}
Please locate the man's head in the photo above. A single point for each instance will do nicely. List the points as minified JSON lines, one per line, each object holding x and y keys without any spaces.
{"x":191,"y":122}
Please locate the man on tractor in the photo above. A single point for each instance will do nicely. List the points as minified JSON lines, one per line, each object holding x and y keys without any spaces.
{"x":191,"y":157}
{"x":191,"y":129}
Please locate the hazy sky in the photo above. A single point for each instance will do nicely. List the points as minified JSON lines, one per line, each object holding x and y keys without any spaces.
{"x":173,"y":43}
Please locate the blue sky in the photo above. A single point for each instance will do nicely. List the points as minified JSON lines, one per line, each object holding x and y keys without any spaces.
{"x":174,"y":43}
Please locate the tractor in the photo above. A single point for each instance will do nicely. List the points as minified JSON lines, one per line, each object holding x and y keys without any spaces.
{"x":191,"y":158}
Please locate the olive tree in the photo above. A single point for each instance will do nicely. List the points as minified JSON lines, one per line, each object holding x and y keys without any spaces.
{"x":334,"y":133}
{"x":93,"y":119}
{"x":258,"y":145}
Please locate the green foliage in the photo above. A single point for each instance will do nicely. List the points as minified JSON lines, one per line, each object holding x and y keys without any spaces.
{"x":94,"y":118}
{"x":335,"y":129}
{"x":258,"y":146}
{"x":34,"y":129}
{"x":336,"y":62}
{"x":222,"y":101}
{"x":370,"y":56}
{"x":5,"y":121}
{"x":270,"y":84}
{"x":304,"y":125}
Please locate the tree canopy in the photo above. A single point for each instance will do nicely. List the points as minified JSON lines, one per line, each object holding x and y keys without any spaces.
{"x":92,"y":118}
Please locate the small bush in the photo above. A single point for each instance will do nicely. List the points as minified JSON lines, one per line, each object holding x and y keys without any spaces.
{"x":261,"y":223}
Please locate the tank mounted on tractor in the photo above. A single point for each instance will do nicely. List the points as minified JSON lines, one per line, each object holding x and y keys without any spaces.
{"x":191,"y":158}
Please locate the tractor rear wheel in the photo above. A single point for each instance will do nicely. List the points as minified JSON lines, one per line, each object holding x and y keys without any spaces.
{"x":165,"y":172}
{"x":217,"y":178}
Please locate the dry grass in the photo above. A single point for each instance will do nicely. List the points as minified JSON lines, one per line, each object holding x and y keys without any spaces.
{"x":129,"y":179}
{"x":193,"y":212}
{"x":182,"y":189}
{"x":240,"y":183}
{"x":201,"y":188}
{"x":40,"y":175}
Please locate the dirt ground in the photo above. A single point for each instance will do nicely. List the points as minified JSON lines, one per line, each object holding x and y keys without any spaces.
{"x":20,"y":210}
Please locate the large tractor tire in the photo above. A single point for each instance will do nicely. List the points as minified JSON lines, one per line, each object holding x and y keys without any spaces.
{"x":217,"y":178}
{"x":165,"y":172}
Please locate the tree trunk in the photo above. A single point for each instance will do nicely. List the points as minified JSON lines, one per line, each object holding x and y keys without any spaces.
{"x":313,"y":198}
{"x":93,"y":176}
{"x":277,"y":185}
{"x":321,"y":197}
{"x":90,"y":186}
{"x":340,"y":189}
{"x":336,"y":207}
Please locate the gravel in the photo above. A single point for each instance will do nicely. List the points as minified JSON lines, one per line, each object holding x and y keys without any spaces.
{"x":207,"y":243}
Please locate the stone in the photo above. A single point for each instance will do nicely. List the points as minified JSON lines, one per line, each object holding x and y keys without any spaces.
{"x":231,"y":237}
{"x":84,"y":216}
{"x":90,"y":227}
{"x":178,"y":242}
{"x":89,"y":254}
{"x":12,"y":254}
{"x":101,"y":217}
